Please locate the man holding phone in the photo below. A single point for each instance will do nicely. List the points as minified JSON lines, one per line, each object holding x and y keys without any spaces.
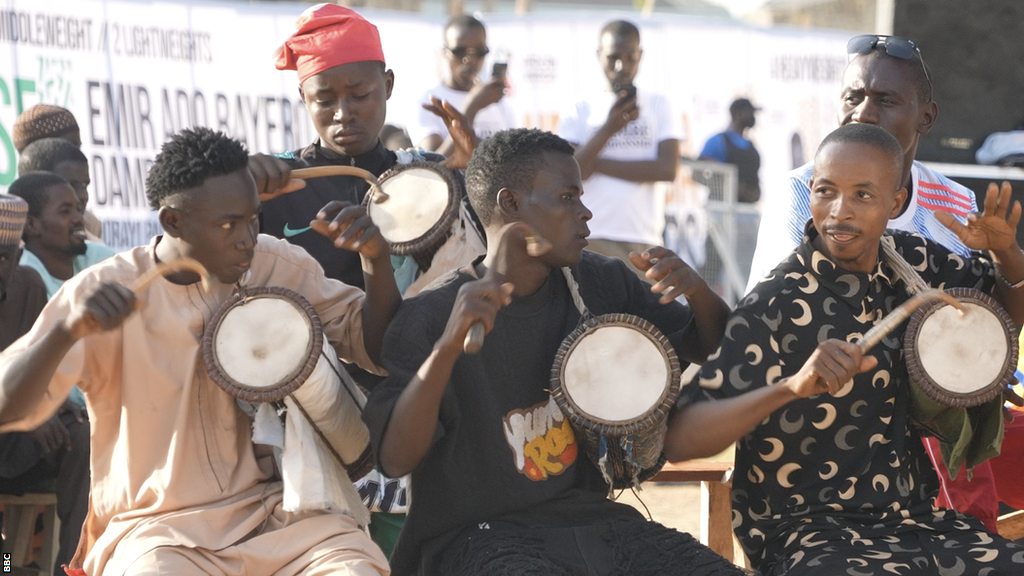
{"x":625,"y":141}
{"x":482,"y":103}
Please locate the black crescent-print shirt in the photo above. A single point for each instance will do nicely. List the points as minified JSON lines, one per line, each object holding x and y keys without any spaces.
{"x":828,"y":463}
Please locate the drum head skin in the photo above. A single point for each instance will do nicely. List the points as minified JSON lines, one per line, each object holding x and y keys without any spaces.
{"x":963,"y":360}
{"x":262,"y":344}
{"x":616,"y":374}
{"x":422,"y":204}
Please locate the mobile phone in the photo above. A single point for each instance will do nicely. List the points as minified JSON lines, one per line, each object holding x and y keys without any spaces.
{"x":626,"y":87}
{"x":499,"y":69}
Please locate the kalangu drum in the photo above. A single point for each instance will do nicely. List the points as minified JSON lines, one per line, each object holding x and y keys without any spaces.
{"x":417,"y":210}
{"x":959,"y":366}
{"x":616,"y":377}
{"x":961,"y":360}
{"x":265,"y":344}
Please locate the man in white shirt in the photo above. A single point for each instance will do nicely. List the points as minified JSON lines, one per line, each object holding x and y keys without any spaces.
{"x":625,"y":141}
{"x":482,"y":103}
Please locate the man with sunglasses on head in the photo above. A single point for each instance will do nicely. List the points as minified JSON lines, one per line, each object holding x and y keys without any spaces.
{"x":482,"y":103}
{"x":887,"y":84}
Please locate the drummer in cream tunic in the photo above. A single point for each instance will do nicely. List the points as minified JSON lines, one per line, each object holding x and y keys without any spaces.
{"x":838,"y":482}
{"x":177,"y":485}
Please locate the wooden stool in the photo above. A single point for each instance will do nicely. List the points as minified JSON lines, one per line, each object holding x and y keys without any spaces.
{"x":715,"y":503}
{"x":20,"y":513}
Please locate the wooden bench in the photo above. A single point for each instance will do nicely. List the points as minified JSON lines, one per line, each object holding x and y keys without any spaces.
{"x":20,"y":513}
{"x":715,"y":479}
{"x":1011,"y":526}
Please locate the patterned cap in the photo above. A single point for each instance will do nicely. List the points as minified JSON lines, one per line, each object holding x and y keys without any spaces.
{"x":42,"y":121}
{"x":13,"y":212}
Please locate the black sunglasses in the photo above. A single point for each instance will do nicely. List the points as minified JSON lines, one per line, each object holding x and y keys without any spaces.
{"x":461,"y":52}
{"x":895,"y":46}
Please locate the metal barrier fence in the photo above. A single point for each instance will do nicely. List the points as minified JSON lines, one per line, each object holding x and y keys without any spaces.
{"x":709,"y":228}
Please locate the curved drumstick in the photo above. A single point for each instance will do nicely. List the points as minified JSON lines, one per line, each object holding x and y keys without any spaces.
{"x":897,"y":316}
{"x":299,"y":174}
{"x":535,"y":246}
{"x":165,"y":268}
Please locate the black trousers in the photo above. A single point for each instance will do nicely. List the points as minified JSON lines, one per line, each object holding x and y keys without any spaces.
{"x":619,"y":548}
{"x":63,"y":471}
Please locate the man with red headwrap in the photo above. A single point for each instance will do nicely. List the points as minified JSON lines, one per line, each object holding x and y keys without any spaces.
{"x":345,"y":84}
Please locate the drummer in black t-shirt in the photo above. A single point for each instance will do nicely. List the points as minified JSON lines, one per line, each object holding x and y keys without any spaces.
{"x":469,"y":427}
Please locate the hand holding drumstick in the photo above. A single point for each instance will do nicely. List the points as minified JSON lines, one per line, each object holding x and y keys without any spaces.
{"x":110,"y":304}
{"x":478,"y":302}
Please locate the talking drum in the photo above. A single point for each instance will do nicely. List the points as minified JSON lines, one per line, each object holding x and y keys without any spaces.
{"x":417,"y":210}
{"x":267,"y":345}
{"x":959,"y":360}
{"x":615,"y":378}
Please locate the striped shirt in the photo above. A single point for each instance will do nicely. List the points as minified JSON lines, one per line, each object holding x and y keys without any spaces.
{"x":784,"y":218}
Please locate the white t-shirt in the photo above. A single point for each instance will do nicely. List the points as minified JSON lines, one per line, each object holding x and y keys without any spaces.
{"x":494,"y":118}
{"x":782,"y":225}
{"x":624,"y":211}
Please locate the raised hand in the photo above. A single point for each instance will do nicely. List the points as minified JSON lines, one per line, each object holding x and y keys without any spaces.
{"x":995,"y":228}
{"x":104,"y":309}
{"x":671,"y":276}
{"x":351,"y":228}
{"x":832,"y":364}
{"x":272,"y":176}
{"x":483,"y":94}
{"x":459,"y":128}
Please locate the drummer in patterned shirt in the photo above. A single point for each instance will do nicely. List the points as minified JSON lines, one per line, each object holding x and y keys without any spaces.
{"x":831,"y":476}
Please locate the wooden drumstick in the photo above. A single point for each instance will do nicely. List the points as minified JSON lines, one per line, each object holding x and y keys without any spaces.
{"x":299,"y":174}
{"x":897,"y":316}
{"x":535,"y":246}
{"x":166,"y":268}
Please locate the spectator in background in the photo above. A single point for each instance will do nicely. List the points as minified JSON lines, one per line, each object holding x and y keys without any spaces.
{"x":733,"y":147}
{"x":55,"y":244}
{"x":46,"y":121}
{"x":625,"y":141}
{"x":59,"y":449}
{"x":482,"y":103}
{"x":64,"y":159}
{"x":22,"y":293}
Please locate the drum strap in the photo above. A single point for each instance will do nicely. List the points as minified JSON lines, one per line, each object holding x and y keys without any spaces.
{"x":902,"y":268}
{"x":574,"y":290}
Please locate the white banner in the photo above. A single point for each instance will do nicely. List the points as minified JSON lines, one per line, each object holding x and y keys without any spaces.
{"x":135,"y":72}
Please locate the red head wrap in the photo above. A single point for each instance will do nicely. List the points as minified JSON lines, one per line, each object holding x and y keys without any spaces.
{"x":328,"y":35}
